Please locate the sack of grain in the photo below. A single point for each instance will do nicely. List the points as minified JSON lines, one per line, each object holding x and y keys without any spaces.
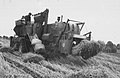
{"x":39,"y":46}
{"x":36,"y":41}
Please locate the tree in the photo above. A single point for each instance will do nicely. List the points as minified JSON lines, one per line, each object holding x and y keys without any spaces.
{"x":118,"y":46}
{"x":110,"y":47}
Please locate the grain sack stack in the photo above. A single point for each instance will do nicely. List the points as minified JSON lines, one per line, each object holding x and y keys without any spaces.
{"x":37,"y":43}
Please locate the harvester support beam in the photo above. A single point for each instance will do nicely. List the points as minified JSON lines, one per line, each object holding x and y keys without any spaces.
{"x":46,"y":20}
{"x":82,"y":26}
{"x":61,"y":34}
{"x":89,"y":33}
{"x":79,"y":23}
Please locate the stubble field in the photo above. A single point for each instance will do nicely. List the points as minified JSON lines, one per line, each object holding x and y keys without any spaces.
{"x":103,"y":65}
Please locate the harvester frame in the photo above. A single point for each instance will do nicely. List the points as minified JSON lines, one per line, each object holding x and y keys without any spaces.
{"x":58,"y":37}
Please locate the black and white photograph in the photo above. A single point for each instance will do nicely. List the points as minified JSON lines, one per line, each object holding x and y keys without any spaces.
{"x":59,"y":39}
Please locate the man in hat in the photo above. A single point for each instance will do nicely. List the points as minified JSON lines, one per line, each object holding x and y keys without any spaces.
{"x":27,"y":18}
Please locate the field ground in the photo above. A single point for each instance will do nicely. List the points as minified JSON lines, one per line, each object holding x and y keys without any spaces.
{"x":103,"y":65}
{"x":115,"y":54}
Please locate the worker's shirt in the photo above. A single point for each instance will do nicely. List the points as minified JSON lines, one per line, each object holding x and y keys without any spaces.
{"x":27,"y":18}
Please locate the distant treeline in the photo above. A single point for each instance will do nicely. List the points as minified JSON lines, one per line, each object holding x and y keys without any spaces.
{"x":109,"y":47}
{"x":5,"y":37}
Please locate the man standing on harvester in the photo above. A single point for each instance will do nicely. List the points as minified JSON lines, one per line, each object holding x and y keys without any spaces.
{"x":27,"y":18}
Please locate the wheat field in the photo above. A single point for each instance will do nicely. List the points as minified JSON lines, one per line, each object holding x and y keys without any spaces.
{"x":103,"y":65}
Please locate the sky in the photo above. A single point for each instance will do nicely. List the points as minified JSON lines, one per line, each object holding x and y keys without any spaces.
{"x":102,"y":17}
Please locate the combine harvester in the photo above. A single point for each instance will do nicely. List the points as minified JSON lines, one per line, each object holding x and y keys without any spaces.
{"x":49,"y":40}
